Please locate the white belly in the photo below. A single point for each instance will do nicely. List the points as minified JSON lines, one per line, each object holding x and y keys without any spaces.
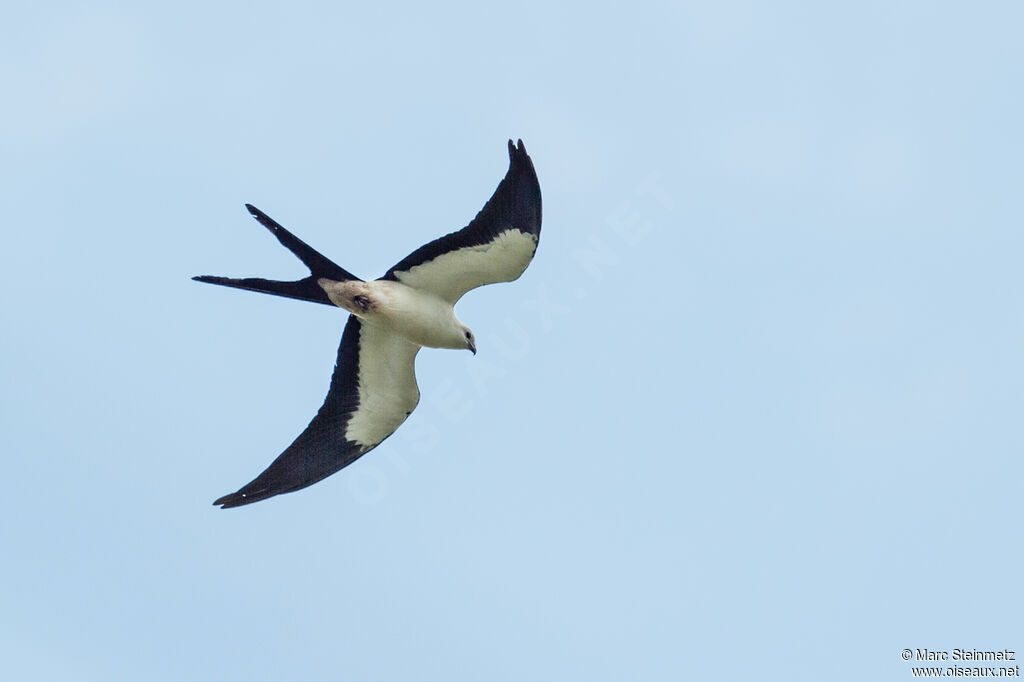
{"x":422,"y":318}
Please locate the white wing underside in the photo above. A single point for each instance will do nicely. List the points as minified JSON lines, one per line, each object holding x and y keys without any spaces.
{"x":387,"y":385}
{"x":452,"y":274}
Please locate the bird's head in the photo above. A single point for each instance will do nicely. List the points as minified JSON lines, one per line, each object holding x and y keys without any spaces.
{"x":470,"y":339}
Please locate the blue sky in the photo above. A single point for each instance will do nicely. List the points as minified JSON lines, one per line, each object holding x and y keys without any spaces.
{"x":753,"y":412}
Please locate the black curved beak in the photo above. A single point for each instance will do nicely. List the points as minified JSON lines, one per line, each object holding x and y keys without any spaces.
{"x":472,"y":347}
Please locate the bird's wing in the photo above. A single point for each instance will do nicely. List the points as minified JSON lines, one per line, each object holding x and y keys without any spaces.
{"x":372,"y":391}
{"x":496,"y":247}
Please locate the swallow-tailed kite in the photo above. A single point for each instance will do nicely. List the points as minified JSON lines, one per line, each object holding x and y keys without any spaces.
{"x":374,"y":389}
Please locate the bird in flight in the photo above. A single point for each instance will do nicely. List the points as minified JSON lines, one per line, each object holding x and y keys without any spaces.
{"x":373,"y":388}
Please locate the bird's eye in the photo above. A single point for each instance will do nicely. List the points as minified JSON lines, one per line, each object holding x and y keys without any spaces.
{"x":467,"y":335}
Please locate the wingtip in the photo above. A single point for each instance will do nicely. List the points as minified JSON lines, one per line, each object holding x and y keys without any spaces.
{"x":240,"y":498}
{"x":229,"y":501}
{"x":515,"y":149}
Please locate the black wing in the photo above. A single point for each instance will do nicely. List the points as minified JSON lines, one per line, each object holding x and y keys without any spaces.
{"x":373,"y":390}
{"x":495,"y":247}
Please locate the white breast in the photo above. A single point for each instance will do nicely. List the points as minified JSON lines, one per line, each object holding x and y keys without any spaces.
{"x":422,"y":318}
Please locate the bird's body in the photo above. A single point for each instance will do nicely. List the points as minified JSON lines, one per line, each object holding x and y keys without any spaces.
{"x":373,"y":389}
{"x":418,"y":316}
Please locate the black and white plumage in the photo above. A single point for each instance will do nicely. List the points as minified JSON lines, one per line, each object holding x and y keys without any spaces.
{"x":373,"y":389}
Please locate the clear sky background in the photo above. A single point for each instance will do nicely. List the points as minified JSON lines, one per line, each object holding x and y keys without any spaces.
{"x":753,"y":412}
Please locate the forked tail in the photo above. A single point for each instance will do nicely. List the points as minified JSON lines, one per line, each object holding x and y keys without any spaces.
{"x":305,"y":289}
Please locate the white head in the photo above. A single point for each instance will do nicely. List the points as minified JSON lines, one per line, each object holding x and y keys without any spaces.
{"x":467,"y":334}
